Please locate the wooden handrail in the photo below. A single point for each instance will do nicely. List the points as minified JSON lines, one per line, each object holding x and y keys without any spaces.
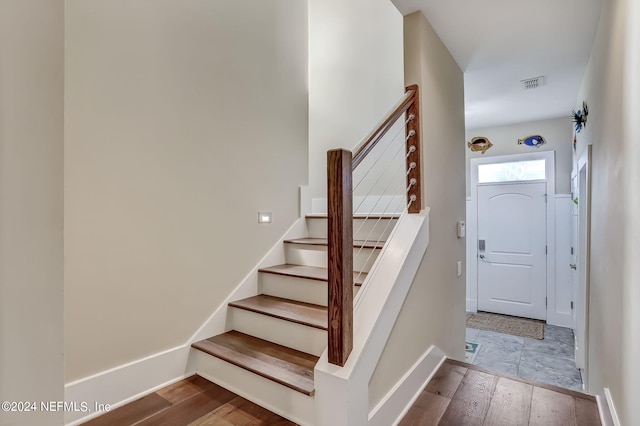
{"x":399,"y":108}
{"x":340,"y":166}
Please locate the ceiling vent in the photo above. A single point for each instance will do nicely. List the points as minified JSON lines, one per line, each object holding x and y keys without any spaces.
{"x":532,"y":83}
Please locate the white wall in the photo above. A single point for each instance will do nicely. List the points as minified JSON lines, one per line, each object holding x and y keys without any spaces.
{"x":434,"y":310}
{"x":183,"y":119}
{"x":355,"y":75}
{"x":556,"y":131}
{"x":611,"y":89}
{"x":31,"y":250}
{"x":629,"y":408}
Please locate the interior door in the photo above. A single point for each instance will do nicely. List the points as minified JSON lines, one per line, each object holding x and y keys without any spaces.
{"x":512,"y":229}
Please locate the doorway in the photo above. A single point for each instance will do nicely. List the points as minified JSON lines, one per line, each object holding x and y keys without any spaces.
{"x":511,"y":234}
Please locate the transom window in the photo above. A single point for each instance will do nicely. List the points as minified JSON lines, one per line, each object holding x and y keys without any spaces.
{"x":512,"y":171}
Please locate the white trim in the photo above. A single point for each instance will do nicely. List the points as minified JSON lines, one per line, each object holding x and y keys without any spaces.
{"x":603,"y":411}
{"x":612,"y":407}
{"x":397,"y":402}
{"x":128,"y":382}
{"x":472,"y":218}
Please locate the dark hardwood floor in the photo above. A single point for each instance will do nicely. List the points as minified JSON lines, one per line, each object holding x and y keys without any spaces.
{"x":459,"y":394}
{"x":195,"y":402}
{"x":463,"y":394}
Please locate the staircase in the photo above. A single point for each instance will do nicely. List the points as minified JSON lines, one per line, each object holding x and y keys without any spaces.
{"x":276,"y":337}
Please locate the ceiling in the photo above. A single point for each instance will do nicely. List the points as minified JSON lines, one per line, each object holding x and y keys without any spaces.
{"x":497,"y":43}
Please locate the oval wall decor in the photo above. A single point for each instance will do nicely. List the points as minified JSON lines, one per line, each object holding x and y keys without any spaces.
{"x":479,"y":143}
{"x":534,"y":141}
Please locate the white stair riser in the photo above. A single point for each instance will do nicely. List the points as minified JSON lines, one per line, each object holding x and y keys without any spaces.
{"x":286,"y":333}
{"x":286,"y":402}
{"x":295,"y":288}
{"x":370,"y":229}
{"x":310,"y":255}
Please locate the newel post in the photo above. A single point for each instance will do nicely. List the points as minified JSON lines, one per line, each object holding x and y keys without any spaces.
{"x":340,"y":241}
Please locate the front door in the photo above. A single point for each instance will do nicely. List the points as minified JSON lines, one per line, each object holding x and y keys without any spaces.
{"x":512,"y":229}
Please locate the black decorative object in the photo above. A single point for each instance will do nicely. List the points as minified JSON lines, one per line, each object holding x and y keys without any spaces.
{"x":580,"y":117}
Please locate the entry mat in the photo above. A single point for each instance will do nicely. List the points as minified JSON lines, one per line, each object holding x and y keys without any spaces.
{"x":515,"y":326}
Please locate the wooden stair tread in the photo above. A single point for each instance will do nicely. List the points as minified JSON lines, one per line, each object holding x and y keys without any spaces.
{"x":323,"y":242}
{"x":357,"y":216}
{"x":283,"y":365}
{"x":309,"y":272}
{"x":285,"y":309}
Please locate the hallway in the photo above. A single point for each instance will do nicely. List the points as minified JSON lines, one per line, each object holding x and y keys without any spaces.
{"x":463,"y":394}
{"x":550,"y":360}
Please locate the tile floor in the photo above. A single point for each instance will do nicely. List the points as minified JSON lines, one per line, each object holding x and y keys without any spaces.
{"x":548,"y":361}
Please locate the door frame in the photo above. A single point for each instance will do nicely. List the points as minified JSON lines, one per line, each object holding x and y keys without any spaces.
{"x":472,"y":224}
{"x":583,"y":260}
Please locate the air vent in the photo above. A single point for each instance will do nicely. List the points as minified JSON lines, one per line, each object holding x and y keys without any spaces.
{"x":532,"y":83}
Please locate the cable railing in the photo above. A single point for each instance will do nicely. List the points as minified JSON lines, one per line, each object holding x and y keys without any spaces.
{"x":386,"y":170}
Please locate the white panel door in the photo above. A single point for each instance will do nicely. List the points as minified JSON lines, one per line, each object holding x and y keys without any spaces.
{"x":512,"y":226}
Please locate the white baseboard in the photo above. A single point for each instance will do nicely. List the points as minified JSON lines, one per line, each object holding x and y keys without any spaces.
{"x":612,"y":407}
{"x":401,"y":397}
{"x":472,"y":305}
{"x":126,"y":383}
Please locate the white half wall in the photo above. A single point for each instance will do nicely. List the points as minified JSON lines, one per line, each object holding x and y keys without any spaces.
{"x":343,"y":393}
